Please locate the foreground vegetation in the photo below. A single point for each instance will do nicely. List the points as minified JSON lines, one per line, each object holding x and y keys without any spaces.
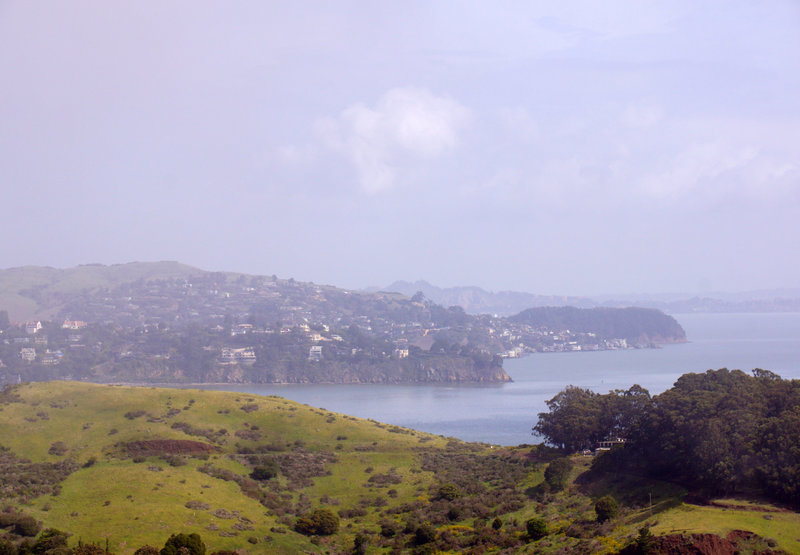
{"x":120,"y":468}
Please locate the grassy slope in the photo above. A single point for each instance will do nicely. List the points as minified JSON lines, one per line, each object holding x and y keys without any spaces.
{"x":14,"y":281}
{"x":146,"y":506}
{"x":132,"y":504}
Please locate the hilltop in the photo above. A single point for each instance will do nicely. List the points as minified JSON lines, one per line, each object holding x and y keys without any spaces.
{"x":127,"y":466}
{"x":40,"y":292}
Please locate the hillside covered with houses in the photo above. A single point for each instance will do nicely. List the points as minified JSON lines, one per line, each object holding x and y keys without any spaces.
{"x":222,"y":327}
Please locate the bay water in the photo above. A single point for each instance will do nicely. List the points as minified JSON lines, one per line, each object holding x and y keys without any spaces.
{"x":503,"y":414}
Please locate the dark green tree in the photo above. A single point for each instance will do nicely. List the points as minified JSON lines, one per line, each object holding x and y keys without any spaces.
{"x":425,"y":533}
{"x":644,"y":541}
{"x":606,"y":508}
{"x":319,"y":522}
{"x":578,"y":418}
{"x":448,"y":492}
{"x":556,"y":475}
{"x":192,"y":542}
{"x":50,"y":540}
{"x":267,"y":470}
{"x":536,"y":528}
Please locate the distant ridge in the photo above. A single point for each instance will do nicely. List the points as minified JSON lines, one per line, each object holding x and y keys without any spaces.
{"x":475,"y":300}
{"x":38,"y":292}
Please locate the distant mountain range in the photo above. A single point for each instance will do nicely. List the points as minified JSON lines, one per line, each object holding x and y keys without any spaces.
{"x":475,"y":300}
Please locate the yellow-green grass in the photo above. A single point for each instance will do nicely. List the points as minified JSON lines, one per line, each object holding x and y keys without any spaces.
{"x":783,"y":527}
{"x":132,"y":504}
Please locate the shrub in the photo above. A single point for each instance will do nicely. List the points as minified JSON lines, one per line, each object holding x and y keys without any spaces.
{"x":557,"y":473}
{"x":448,"y":492}
{"x":173,"y":460}
{"x":26,"y":526}
{"x":59,"y":448}
{"x":321,"y":522}
{"x":606,"y":508}
{"x":49,"y":540}
{"x":191,"y":542}
{"x":644,"y":541}
{"x":389,"y":528}
{"x":360,"y":543}
{"x":536,"y":528}
{"x":7,"y":548}
{"x":424,"y":534}
{"x":265,"y":471}
{"x":146,"y":550}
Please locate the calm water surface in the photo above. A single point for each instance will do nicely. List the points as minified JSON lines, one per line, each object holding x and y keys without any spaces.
{"x":504,"y":414}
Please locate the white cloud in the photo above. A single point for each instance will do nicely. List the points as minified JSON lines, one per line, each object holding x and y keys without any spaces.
{"x":717,"y":169}
{"x":406,"y":126}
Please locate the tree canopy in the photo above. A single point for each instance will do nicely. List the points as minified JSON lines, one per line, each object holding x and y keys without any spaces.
{"x":578,"y":418}
{"x":721,"y":431}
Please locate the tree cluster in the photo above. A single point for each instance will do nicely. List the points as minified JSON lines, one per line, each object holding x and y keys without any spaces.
{"x":720,"y":432}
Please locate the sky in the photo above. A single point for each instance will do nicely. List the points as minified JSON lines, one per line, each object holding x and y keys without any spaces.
{"x":562,"y":147}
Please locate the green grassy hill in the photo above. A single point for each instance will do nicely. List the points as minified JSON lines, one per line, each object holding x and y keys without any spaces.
{"x":133,"y":465}
{"x":37,"y":292}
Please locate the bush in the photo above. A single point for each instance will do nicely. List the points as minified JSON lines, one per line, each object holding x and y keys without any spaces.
{"x":360,"y":543}
{"x":424,"y":534}
{"x":49,"y":540}
{"x":557,"y":473}
{"x":25,"y":525}
{"x":265,"y":471}
{"x":644,"y":541}
{"x":146,"y":550}
{"x":7,"y":548}
{"x":320,"y":522}
{"x":448,"y":492}
{"x":191,"y":542}
{"x":389,"y":528}
{"x":536,"y":528}
{"x":59,"y":448}
{"x":606,"y":508}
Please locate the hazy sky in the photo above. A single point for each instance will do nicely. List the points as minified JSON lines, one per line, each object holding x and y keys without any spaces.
{"x":550,"y":147}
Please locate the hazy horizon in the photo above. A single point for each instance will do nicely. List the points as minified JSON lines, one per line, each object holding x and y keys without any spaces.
{"x":567,"y":149}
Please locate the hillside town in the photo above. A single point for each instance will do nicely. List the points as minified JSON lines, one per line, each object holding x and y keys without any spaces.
{"x":251,"y":328}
